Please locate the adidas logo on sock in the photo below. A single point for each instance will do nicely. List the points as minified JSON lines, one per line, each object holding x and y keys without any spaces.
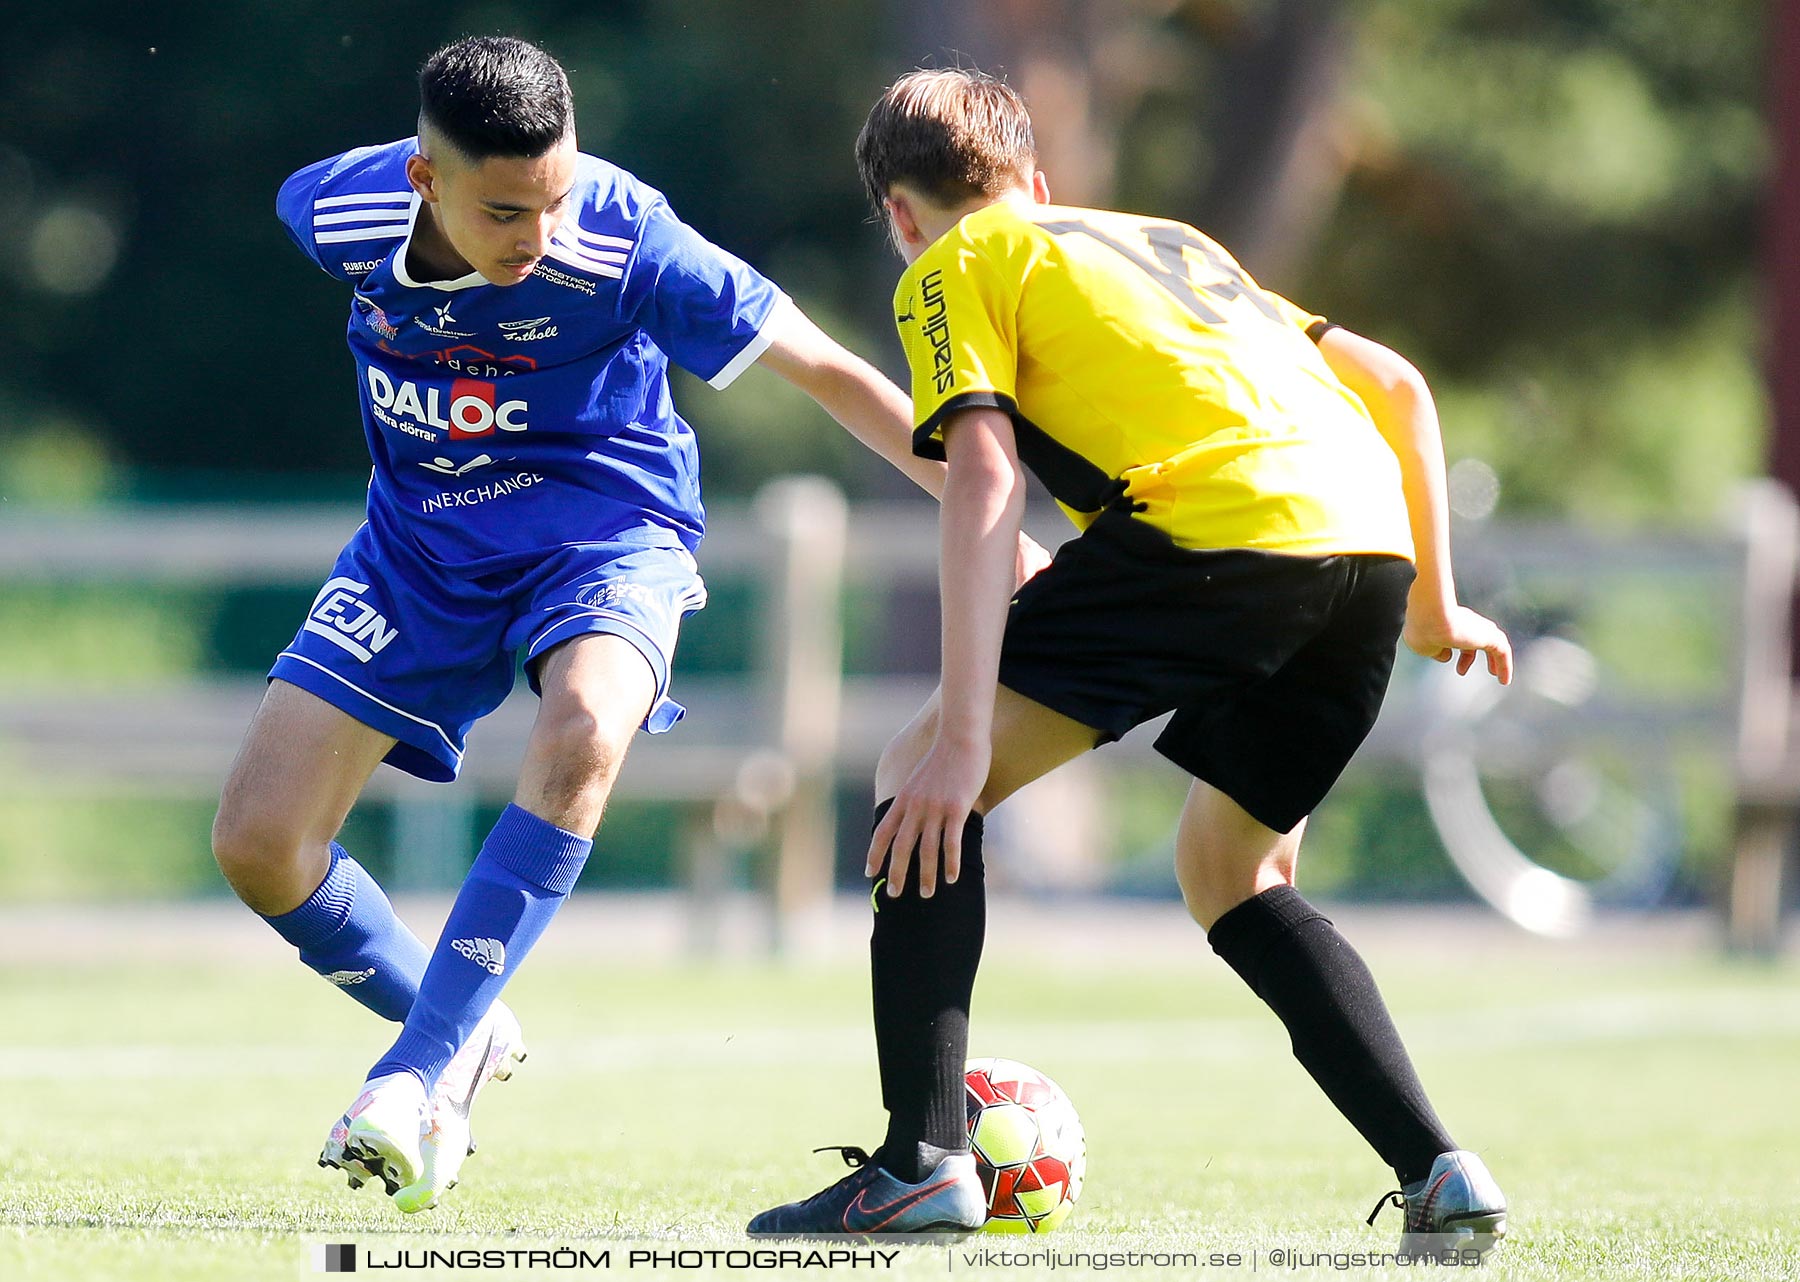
{"x":490,"y":954}
{"x":345,"y":978}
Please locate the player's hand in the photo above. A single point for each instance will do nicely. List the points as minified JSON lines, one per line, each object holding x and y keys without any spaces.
{"x":1032,"y":557}
{"x":928,"y":815}
{"x":1461,"y":633}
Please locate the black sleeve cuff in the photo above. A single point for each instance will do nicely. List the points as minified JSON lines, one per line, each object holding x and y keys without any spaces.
{"x":926,"y":445}
{"x":1319,"y":328}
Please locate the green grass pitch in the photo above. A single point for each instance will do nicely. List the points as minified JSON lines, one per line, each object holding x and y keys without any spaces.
{"x":159,"y":1115}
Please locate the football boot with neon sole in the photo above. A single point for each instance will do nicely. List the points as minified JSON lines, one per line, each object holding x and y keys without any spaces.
{"x":1458,"y":1207}
{"x":333,"y":1156}
{"x":493,"y":1051}
{"x":378,"y":1138}
{"x":950,"y":1200}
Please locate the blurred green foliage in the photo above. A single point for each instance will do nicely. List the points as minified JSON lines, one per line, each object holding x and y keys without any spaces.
{"x":99,"y":636}
{"x":1553,"y":210}
{"x":64,"y":846}
{"x":1551,"y":207}
{"x":54,"y":463}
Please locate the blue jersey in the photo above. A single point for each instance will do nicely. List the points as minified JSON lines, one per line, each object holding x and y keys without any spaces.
{"x":507,"y":422}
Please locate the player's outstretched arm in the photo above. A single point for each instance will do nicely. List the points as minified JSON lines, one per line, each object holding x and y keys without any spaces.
{"x":868,"y":406}
{"x":984,"y":501}
{"x":1401,"y":405}
{"x":849,"y":389}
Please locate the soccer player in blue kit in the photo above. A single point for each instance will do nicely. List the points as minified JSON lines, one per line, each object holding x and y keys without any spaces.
{"x":516,"y":305}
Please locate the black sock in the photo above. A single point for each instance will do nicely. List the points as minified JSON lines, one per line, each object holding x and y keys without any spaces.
{"x":923,"y":954}
{"x":1294,"y":959}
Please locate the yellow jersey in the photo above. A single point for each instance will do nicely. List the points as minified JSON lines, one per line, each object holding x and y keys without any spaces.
{"x":1137,"y":360}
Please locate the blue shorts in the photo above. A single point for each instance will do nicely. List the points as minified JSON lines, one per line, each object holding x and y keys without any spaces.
{"x":409,"y":649}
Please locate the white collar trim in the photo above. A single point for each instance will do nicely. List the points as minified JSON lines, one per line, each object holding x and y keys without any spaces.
{"x":405,"y":278}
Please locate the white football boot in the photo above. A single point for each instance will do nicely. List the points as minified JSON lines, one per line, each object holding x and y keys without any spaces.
{"x":493,"y":1050}
{"x":333,"y":1156}
{"x":378,"y":1139}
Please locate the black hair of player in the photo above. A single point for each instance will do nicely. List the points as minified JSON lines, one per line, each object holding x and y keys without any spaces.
{"x":496,"y":96}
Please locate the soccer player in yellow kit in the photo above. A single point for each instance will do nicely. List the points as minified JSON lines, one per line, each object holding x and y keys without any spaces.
{"x":1261,"y":497}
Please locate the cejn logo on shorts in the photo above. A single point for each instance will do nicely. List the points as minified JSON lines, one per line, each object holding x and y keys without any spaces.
{"x":351,"y":624}
{"x":473,"y":408}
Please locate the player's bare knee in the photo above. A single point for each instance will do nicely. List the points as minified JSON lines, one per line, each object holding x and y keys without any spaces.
{"x":1196,"y":892}
{"x":1211,"y":891}
{"x":590,"y":743}
{"x":1210,"y":886}
{"x":1208,"y":901}
{"x":581,"y":752}
{"x":256,"y":854}
{"x":234,"y":845}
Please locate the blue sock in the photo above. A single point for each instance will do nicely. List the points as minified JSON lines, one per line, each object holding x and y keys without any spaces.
{"x":346,"y":930}
{"x":525,"y":870}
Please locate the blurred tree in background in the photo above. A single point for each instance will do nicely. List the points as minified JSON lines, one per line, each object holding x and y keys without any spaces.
{"x":1549,"y":204}
{"x":1553,"y":206}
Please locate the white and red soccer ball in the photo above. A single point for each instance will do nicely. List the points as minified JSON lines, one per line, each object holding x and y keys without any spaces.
{"x":1030,"y":1150}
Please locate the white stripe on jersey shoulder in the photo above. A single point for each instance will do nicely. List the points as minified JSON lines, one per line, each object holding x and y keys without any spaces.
{"x":364,"y":198}
{"x":362,"y":216}
{"x":391,"y":231}
{"x":605,"y":248}
{"x":368,"y":215}
{"x":758,"y":344}
{"x":596,"y":253}
{"x":393,"y":222}
{"x":597,"y":240}
{"x":575,"y":258}
{"x":575,"y":253}
{"x":604,"y":255}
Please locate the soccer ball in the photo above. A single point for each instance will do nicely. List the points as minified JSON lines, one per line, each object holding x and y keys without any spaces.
{"x":1030,"y":1150}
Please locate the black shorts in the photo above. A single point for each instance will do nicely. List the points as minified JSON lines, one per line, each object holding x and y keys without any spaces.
{"x":1275,"y":665}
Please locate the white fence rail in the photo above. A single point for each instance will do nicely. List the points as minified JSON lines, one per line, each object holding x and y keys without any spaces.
{"x":761,"y":755}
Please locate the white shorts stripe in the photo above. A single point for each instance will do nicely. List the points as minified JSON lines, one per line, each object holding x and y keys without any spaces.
{"x":401,"y":712}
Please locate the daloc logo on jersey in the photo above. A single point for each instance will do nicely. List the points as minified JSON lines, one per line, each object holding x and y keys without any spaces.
{"x":342,"y":617}
{"x":473,"y":409}
{"x":473,"y":412}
